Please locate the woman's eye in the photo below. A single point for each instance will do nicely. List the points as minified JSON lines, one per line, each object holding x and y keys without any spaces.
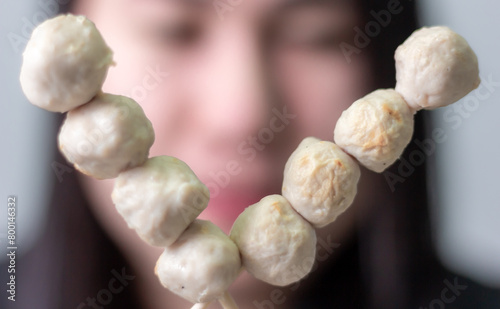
{"x":178,"y":35}
{"x":326,"y":41}
{"x":316,"y":41}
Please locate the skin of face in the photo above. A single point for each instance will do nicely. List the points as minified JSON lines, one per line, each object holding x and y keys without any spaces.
{"x":230,"y":94}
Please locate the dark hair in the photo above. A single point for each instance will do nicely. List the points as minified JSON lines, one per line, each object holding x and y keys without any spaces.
{"x":388,"y":263}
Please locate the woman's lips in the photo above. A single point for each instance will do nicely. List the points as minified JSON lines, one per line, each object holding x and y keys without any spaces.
{"x":227,"y":206}
{"x":231,"y":205}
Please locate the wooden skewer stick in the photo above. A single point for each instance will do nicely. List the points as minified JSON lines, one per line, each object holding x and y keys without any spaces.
{"x":227,"y":301}
{"x":201,"y":305}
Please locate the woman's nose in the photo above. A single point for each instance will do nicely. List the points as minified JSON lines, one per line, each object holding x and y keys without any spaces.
{"x":233,"y":92}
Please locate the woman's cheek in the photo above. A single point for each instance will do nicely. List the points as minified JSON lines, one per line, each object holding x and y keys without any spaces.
{"x":317,"y":88}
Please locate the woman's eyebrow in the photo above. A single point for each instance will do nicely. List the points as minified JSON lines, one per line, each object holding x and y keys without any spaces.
{"x":341,"y":8}
{"x":200,"y":3}
{"x":293,"y":3}
{"x":209,"y":4}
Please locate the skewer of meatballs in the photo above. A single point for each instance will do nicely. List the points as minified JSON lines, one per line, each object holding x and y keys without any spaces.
{"x":109,"y":136}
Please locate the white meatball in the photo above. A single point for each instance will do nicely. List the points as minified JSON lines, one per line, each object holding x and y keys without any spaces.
{"x":435,"y":67}
{"x":201,"y":265}
{"x":160,"y":199}
{"x":277,"y":245}
{"x":320,"y":181}
{"x":375,"y":129}
{"x":106,"y":136}
{"x":65,"y":63}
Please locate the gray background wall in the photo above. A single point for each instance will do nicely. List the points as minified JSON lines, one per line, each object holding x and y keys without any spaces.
{"x":467,"y":183}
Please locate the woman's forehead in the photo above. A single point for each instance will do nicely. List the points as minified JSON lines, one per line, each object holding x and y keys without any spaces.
{"x":223,"y":9}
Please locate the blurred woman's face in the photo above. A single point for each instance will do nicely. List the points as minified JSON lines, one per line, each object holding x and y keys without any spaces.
{"x":231,"y":87}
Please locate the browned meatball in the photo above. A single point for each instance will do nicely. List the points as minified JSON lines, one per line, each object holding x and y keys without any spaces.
{"x":376,"y":129}
{"x":277,"y":245}
{"x":320,"y":181}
